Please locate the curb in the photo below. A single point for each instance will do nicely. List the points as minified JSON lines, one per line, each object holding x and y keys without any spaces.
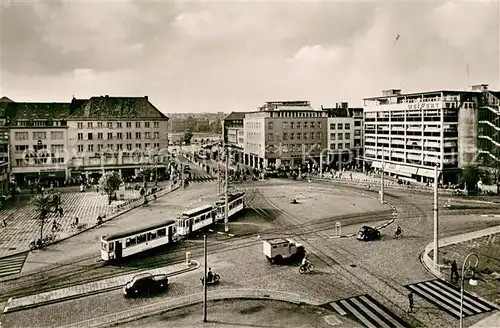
{"x":68,"y":298}
{"x":192,"y":299}
{"x":491,"y":215}
{"x":112,"y":217}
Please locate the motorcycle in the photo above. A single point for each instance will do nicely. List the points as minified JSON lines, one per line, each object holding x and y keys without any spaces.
{"x":309,"y":267}
{"x":215,"y":280}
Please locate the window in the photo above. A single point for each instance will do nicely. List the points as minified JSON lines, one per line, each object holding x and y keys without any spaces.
{"x":339,"y":146}
{"x":151,"y":235}
{"x":332,"y":126}
{"x":298,"y":125}
{"x":270,"y":137}
{"x":129,"y":135}
{"x":357,"y":133}
{"x":340,"y":136}
{"x":156,"y":145}
{"x":156,"y":135}
{"x":285,"y":136}
{"x":110,"y":135}
{"x":347,"y":126}
{"x":332,"y":146}
{"x":147,"y":135}
{"x":110,"y":125}
{"x":119,"y":147}
{"x":138,"y":135}
{"x":99,"y":136}
{"x":57,"y":160}
{"x":99,"y":147}
{"x":91,"y":147}
{"x":118,"y":124}
{"x":161,"y":232}
{"x":313,"y":126}
{"x":347,"y":136}
{"x":21,"y":136}
{"x":56,"y":148}
{"x":141,"y":238}
{"x":147,"y":124}
{"x":89,"y":125}
{"x":137,"y":124}
{"x":41,"y":135}
{"x":129,"y":146}
{"x":138,"y":145}
{"x":306,"y":125}
{"x":270,"y":125}
{"x":319,"y":125}
{"x":339,"y":126}
{"x":332,"y":136}
{"x":130,"y":242}
{"x":291,"y":125}
{"x":80,"y":148}
{"x":110,"y":146}
{"x":347,"y":145}
{"x":156,"y":124}
{"x":80,"y":136}
{"x":89,"y":136}
{"x":119,"y":136}
{"x":21,"y":148}
{"x":80,"y":125}
{"x":291,"y":136}
{"x":129,"y":124}
{"x":357,"y":123}
{"x":56,"y":135}
{"x":99,"y":125}
{"x":299,"y":135}
{"x":147,"y":145}
{"x":285,"y":125}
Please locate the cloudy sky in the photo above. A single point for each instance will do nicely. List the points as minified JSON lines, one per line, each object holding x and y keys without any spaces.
{"x":222,"y":56}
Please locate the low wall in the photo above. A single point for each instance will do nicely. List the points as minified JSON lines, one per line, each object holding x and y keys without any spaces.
{"x":428,"y":262}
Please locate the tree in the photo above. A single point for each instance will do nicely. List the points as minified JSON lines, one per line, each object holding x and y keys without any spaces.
{"x":216,"y":127}
{"x":186,"y":138}
{"x":45,"y":204}
{"x":471,"y":176}
{"x":191,"y":124}
{"x":110,"y":182}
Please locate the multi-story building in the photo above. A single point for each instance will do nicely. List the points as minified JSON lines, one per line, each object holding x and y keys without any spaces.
{"x":233,"y":134}
{"x":415,"y":132}
{"x":38,"y":141}
{"x":345,"y":134}
{"x":285,"y":132}
{"x":125,"y":134}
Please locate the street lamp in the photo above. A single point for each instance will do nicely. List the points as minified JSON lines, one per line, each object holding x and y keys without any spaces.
{"x":321,"y":161}
{"x":472,"y":281}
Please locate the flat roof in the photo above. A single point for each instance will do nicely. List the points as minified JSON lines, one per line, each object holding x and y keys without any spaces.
{"x":422,"y":94}
{"x":198,"y":209}
{"x":277,"y":241}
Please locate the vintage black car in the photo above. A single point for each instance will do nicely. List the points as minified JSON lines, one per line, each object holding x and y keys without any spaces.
{"x":146,"y":284}
{"x":367,"y":233}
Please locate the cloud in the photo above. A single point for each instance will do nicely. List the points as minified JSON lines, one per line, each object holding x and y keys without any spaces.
{"x":199,"y":56}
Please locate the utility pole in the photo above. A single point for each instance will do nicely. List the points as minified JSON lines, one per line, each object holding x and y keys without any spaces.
{"x":382,"y":179}
{"x":436,"y":217}
{"x":205,"y":280}
{"x":226,"y":211}
{"x":218,"y":168}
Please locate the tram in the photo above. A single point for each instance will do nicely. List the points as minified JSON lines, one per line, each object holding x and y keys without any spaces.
{"x":236,"y":203}
{"x":122,"y":244}
{"x":195,"y":219}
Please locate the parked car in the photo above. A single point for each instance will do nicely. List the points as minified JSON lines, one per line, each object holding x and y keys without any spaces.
{"x":367,"y":233}
{"x":146,"y":284}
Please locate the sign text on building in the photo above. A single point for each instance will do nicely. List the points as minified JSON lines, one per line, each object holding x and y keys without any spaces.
{"x":425,"y":105}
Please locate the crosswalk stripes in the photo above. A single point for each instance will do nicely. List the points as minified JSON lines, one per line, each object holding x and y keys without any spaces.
{"x":202,"y":178}
{"x":447,"y":297}
{"x":12,"y":264}
{"x":368,"y":311}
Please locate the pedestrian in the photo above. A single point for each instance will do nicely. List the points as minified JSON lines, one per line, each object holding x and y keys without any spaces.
{"x":4,"y":224}
{"x":60,"y":212}
{"x":454,"y":270}
{"x":410,"y":303}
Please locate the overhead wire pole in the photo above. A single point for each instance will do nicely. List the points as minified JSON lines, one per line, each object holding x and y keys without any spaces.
{"x":205,"y":280}
{"x":218,"y":167}
{"x":436,"y":218}
{"x":382,"y":179}
{"x":226,"y":198}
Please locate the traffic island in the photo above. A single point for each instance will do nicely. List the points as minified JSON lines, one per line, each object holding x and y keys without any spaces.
{"x":95,"y":287}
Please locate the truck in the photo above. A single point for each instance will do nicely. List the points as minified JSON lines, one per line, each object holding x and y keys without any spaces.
{"x":279,"y":249}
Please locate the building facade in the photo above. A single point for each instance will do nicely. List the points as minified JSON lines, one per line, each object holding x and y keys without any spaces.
{"x":415,"y":132}
{"x":344,"y":135}
{"x":284,"y":133}
{"x":125,"y":134}
{"x":233,"y":134}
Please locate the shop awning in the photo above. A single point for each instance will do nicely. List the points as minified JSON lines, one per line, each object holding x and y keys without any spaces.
{"x":426,"y":172}
{"x":377,"y":165}
{"x":408,"y":169}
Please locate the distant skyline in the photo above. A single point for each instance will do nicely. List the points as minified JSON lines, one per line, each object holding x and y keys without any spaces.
{"x":233,"y":56}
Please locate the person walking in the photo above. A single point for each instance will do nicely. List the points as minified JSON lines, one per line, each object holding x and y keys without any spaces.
{"x":410,"y":303}
{"x":454,"y":270}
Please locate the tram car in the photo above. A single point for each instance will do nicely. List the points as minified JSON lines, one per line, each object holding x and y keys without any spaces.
{"x":236,"y":203}
{"x":195,"y":219}
{"x":120,"y":245}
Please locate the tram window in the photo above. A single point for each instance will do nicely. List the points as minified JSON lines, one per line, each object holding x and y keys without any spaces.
{"x":151,"y":235}
{"x":162,"y":232}
{"x":213,"y":215}
{"x":103,"y":246}
{"x":141,"y":238}
{"x":130,"y":242}
{"x":111,"y":246}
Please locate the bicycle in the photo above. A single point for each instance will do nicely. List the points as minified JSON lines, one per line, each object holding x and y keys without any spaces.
{"x":309,"y":267}
{"x":398,"y":234}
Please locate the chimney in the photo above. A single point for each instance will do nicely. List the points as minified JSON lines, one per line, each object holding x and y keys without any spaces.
{"x":106,"y":96}
{"x":146,"y":97}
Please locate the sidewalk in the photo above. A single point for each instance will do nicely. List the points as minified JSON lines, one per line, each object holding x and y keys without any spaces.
{"x":485,"y":243}
{"x":63,"y":294}
{"x":22,"y":226}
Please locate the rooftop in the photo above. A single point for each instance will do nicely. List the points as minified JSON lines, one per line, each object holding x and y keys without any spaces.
{"x":235,"y":116}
